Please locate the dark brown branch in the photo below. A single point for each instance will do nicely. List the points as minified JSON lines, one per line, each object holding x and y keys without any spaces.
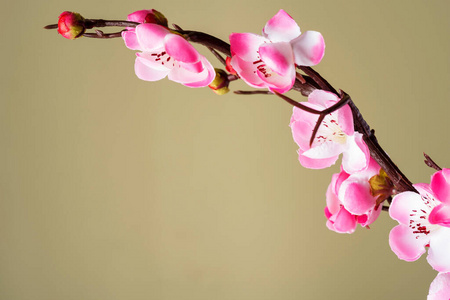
{"x":252,"y":92}
{"x":100,"y":35}
{"x":323,"y":84}
{"x":429,"y":162}
{"x":207,"y":41}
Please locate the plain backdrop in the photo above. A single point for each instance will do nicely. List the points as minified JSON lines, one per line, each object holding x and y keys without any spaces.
{"x":116,"y":188}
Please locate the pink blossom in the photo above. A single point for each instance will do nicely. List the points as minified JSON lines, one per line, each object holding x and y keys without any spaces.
{"x":440,"y":287}
{"x":424,"y":221}
{"x":349,"y":200}
{"x":167,"y":54}
{"x":268,"y":61}
{"x":336,"y":135}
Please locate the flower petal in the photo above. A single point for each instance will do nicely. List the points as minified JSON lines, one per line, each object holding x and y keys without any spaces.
{"x":354,"y":193}
{"x":281,"y":27}
{"x":151,"y":36}
{"x":321,"y":98}
{"x":325,"y":150}
{"x":404,"y":244}
{"x":278,"y":57}
{"x":246,"y":45}
{"x":440,"y":215}
{"x":345,"y":118}
{"x":139,"y":16}
{"x":247,"y":72}
{"x":130,"y":39}
{"x":440,"y":287}
{"x":309,"y":48}
{"x":440,"y":184}
{"x":402,"y":205}
{"x":314,"y":163}
{"x":343,"y":221}
{"x":356,"y":156}
{"x":439,"y":252}
{"x":180,"y":49}
{"x":147,"y":73}
{"x":193,"y":79}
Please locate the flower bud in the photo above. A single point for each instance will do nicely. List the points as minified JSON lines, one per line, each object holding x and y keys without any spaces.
{"x":71,"y":25}
{"x":156,"y":17}
{"x":220,"y":83}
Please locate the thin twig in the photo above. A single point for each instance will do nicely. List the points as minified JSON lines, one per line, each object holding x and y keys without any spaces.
{"x":429,"y":162}
{"x":252,"y":92}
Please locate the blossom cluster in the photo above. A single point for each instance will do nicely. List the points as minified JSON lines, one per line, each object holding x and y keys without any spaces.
{"x":357,"y":194}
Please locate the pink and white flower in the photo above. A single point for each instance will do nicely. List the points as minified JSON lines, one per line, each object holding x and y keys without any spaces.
{"x":349,"y":200}
{"x":440,"y":287}
{"x":268,"y":61}
{"x":167,"y":54}
{"x":336,"y":135}
{"x":424,"y":221}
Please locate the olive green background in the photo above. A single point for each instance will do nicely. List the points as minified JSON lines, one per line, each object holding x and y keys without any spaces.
{"x":116,"y":188}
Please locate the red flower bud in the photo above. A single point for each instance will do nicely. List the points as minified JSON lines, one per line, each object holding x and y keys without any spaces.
{"x":71,"y":25}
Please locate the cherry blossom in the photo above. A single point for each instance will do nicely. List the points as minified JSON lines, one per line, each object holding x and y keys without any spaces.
{"x":424,"y":221}
{"x":336,"y":135}
{"x":167,"y":54}
{"x":268,"y":61}
{"x":440,"y":287}
{"x":350,"y":201}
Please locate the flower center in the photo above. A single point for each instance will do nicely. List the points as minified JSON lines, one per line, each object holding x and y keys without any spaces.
{"x":261,"y":67}
{"x":330,"y":131}
{"x":418,"y":220}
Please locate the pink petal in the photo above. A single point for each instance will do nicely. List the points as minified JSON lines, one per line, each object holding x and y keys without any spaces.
{"x":321,"y":98}
{"x":372,"y":216}
{"x":345,"y":119}
{"x":402,"y":206}
{"x":278,"y":57}
{"x":440,"y":287}
{"x":440,"y":215}
{"x":309,"y":48}
{"x":130,"y":39}
{"x":247,"y":72}
{"x":151,"y":36}
{"x":325,"y":150}
{"x":281,"y":27}
{"x":333,"y":203}
{"x":404,"y":244}
{"x":343,"y":221}
{"x":193,"y":79}
{"x":439,"y":252}
{"x":356,"y":157}
{"x":312,"y":163}
{"x":275,"y":82}
{"x":246,"y":45}
{"x":139,"y":16}
{"x":144,"y":72}
{"x":440,"y":184}
{"x":150,"y":60}
{"x":180,"y":49}
{"x":354,"y":193}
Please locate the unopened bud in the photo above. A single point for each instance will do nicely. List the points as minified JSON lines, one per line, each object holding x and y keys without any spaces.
{"x":220,"y":83}
{"x":71,"y":25}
